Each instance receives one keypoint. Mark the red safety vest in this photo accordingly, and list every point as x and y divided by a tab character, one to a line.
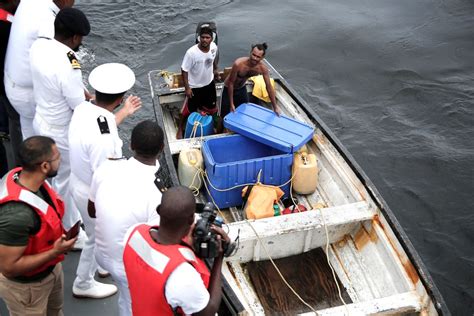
51	226
148	266
6	16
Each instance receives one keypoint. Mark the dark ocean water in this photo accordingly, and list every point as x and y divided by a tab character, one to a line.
393	79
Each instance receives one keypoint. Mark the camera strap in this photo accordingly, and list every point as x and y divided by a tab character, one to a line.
159	183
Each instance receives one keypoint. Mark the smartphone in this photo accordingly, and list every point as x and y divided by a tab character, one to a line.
74	231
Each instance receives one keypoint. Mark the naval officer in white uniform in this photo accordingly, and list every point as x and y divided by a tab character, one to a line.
122	194
33	19
94	138
58	89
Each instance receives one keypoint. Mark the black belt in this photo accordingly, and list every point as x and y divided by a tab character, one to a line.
35	277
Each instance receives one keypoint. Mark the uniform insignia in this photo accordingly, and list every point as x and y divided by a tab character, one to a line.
72	58
103	125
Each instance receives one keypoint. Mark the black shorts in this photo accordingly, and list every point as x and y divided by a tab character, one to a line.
240	96
203	97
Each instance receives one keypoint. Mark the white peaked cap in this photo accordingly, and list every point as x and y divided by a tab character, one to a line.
112	78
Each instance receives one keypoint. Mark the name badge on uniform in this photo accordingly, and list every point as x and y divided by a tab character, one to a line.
103	125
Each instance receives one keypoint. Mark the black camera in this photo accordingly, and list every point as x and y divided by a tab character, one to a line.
205	240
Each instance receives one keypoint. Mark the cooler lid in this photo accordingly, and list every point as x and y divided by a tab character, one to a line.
264	126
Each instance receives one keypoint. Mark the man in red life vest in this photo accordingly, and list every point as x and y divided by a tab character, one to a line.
163	273
32	239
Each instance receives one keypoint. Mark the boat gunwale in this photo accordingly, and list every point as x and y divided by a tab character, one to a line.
229	297
403	240
412	254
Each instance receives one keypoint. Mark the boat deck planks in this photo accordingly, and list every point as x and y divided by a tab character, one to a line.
317	287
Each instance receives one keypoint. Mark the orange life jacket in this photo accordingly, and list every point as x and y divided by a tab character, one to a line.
51	226
148	266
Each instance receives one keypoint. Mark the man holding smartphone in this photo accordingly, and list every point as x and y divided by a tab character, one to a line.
32	238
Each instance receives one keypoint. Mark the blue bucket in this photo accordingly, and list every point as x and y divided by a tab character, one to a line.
204	120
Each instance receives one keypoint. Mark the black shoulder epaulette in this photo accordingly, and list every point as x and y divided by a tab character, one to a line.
103	125
72	58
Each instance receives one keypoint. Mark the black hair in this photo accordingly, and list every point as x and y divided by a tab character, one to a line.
107	98
262	46
35	150
206	30
177	208
147	139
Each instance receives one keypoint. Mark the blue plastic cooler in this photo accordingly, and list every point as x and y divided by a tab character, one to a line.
266	143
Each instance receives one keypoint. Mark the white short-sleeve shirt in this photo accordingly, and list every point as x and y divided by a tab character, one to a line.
124	194
33	18
57	85
185	288
88	147
199	65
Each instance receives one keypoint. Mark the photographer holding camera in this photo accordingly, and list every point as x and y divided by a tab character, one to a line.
164	274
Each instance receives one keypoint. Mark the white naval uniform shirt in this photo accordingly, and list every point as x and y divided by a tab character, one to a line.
199	65
88	147
58	87
124	194
33	18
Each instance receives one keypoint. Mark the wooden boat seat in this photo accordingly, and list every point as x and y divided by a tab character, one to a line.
296	233
404	303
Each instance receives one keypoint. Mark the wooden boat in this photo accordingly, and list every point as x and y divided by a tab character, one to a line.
348	225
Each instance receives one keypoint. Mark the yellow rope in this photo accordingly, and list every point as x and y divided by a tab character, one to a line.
213	201
278	270
165	73
246	184
203	174
194	131
329	263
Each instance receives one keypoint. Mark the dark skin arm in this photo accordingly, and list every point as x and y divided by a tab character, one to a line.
91	209
230	85
215	283
271	92
13	263
187	89
217	77
214	289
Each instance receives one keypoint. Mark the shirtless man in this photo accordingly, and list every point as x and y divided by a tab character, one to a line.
235	92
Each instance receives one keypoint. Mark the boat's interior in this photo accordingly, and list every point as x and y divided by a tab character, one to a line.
343	226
